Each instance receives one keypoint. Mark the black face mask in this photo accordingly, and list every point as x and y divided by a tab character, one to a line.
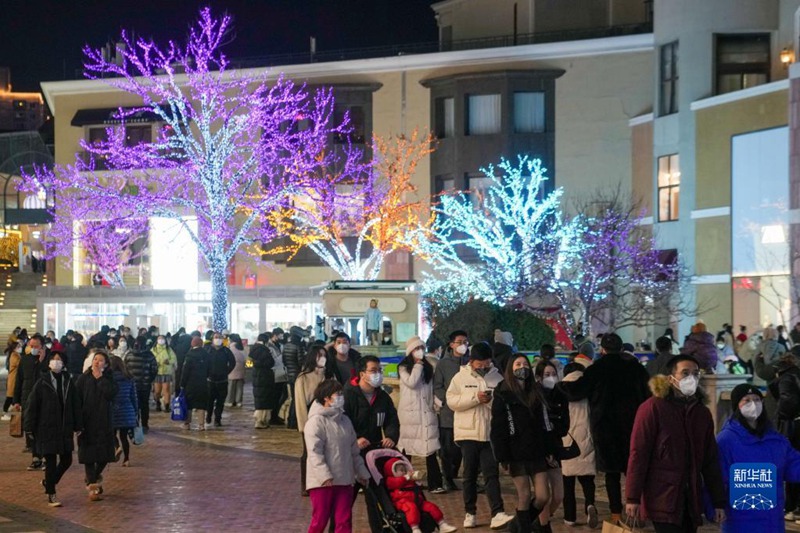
522	373
481	371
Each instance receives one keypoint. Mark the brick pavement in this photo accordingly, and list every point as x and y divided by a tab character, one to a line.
235	478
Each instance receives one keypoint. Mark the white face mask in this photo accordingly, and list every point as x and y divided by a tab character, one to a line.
687	385
321	362
549	382
376	380
752	410
49	345
162	342
337	402
19	349
56	365
461	349
419	353
343	348
34	351
123	345
217	342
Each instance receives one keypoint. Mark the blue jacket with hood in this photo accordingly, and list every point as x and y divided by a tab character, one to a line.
738	445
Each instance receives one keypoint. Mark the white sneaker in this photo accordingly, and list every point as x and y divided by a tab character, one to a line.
790	516
500	520
444	527
470	521
5	418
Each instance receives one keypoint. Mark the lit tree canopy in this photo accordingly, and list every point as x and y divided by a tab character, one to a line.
353	221
230	153
500	243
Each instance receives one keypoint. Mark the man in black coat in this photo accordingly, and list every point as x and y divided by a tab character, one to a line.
220	363
31	366
142	365
374	418
615	387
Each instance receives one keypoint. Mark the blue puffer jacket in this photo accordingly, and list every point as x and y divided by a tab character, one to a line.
125	403
737	445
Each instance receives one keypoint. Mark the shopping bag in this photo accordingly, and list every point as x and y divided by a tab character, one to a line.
619	527
138	435
15	427
179	408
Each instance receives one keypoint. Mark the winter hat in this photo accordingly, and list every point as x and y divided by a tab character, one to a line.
583	359
742	390
388	467
413	343
480	352
503	337
197	342
587	350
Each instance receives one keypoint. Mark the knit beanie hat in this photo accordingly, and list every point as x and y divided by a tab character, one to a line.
742	390
503	337
197	342
413	343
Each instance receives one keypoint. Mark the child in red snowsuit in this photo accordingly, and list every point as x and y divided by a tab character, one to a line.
407	497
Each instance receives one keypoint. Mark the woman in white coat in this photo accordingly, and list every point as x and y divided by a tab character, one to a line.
582	468
419	426
334	460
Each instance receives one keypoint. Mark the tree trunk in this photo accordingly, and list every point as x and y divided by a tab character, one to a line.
219	295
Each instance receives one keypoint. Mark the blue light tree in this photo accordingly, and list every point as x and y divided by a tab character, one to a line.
233	148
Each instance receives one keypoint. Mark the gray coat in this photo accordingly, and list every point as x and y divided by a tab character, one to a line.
442	376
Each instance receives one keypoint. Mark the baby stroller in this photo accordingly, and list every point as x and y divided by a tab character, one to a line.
393	520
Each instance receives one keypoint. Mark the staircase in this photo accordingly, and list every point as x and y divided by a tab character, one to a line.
18	300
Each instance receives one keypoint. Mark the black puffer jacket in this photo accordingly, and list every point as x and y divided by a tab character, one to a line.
516	433
375	420
194	378
75	353
263	376
220	363
96	441
52	422
28	373
292	357
558	416
143	367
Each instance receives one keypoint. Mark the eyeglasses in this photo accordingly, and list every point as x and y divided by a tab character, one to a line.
465	343
686	373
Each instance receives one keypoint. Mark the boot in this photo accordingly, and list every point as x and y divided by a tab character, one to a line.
522	522
533	519
261	417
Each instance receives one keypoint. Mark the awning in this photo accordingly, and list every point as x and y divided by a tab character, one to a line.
110	116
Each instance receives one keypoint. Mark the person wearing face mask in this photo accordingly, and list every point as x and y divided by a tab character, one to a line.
374	418
313	373
334	460
220	363
96	388
615	387
447	368
76	353
13	357
31	366
278	392
342	359
419	427
786	389
167	362
194	384
748	437
518	441
673	453
52	415
143	366
470	397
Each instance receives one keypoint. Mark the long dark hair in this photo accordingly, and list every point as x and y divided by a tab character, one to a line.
310	364
118	365
528	393
408	363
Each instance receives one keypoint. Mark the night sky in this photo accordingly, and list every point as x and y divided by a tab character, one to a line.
42	40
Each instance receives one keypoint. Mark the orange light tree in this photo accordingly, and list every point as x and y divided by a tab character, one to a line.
356	219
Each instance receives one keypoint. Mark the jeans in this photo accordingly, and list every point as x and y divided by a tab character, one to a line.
54	468
143	399
570	504
450	454
331	502
478	455
614	489
216	400
93	471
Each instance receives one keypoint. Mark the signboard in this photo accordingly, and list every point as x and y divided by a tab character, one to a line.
753	486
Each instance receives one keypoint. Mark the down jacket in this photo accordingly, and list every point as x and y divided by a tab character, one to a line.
53	423
419	427
673	450
516	430
738	445
332	448
125	402
96	441
584	465
702	347
471	418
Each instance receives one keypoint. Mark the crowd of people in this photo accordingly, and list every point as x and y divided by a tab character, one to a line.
550	423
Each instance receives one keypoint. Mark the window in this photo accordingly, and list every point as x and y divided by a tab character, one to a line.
483	114
357	124
445	118
529	112
669	79
137	135
477	185
444	184
97	135
742	61
669	181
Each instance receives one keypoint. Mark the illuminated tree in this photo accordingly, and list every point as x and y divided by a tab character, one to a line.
231	151
353	221
499	244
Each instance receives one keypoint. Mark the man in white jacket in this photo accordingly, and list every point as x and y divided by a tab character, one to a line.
470	397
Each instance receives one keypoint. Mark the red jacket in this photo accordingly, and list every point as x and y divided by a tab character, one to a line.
399	487
673	450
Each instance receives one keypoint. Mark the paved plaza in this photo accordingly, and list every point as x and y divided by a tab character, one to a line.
233	479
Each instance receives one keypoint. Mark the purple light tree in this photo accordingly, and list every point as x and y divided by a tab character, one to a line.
231	151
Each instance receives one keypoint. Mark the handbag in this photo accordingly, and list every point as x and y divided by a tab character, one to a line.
138	435
622	526
569	452
15	427
178	408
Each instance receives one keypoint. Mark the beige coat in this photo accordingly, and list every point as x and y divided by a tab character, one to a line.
332	448
584	465
471	420
13	365
419	425
304	387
